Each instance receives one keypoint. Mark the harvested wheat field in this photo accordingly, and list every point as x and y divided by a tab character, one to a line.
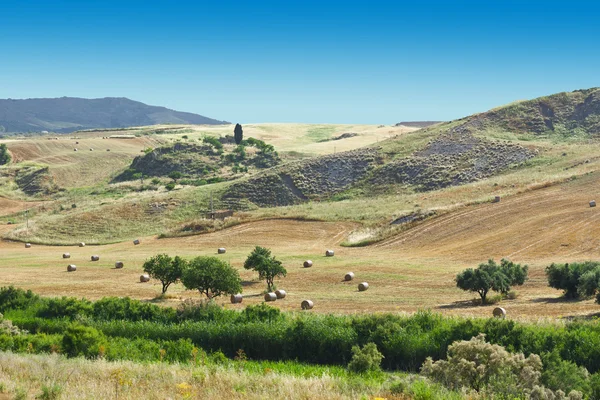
413	270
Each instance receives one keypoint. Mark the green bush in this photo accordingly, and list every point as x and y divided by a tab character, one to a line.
366	359
124	308
568	277
67	307
81	340
170	186
4	154
12	298
260	312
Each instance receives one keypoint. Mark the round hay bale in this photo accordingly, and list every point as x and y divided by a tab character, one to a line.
74	149
95	258
107	149
593	203
363	286
308	264
144	278
270	296
496	199
236	298
329	253
136	241
71	268
306	305
81	244
27	245
280	294
66	255
221	250
76	142
119	264
91	149
499	312
349	276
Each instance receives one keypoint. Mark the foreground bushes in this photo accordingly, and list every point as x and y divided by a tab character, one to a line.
263	332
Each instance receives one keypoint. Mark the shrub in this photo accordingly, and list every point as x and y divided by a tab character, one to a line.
260	312
4	154
197	310
170	186
50	392
567	276
126	309
366	359
81	340
12	298
68	307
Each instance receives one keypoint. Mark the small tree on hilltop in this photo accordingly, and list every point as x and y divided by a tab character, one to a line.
166	269
211	276
267	266
491	276
238	134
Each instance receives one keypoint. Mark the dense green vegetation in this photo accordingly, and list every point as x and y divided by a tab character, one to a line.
578	280
4	155
491	276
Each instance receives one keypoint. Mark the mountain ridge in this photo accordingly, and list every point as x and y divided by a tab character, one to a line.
68	114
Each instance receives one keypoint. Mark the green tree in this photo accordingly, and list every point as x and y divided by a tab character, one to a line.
267	266
80	340
491	276
175	175
238	134
166	269
575	279
4	155
366	359
211	276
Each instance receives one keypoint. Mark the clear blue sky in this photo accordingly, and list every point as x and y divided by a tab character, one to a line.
301	61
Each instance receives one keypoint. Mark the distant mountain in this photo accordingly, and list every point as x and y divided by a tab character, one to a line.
417	124
68	114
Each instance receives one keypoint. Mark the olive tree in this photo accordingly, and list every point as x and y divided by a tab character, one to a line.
491	276
211	276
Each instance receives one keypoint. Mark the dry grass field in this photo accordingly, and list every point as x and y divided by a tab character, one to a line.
543	217
410	271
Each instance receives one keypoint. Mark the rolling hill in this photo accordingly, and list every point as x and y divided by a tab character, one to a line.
68	114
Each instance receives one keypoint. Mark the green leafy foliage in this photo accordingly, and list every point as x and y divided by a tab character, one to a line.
211	276
491	276
4	154
82	340
166	269
175	175
267	266
577	280
365	359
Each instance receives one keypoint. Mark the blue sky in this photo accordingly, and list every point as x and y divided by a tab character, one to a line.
301	61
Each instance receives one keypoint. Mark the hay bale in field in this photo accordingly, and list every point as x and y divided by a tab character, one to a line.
81	244
221	250
95	258
91	149
136	241
144	278
306	305
74	149
499	312
27	245
280	294
71	268
236	298
349	276
593	203
76	142
363	286
107	149
66	255
329	253
308	264
270	296
496	199
119	264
